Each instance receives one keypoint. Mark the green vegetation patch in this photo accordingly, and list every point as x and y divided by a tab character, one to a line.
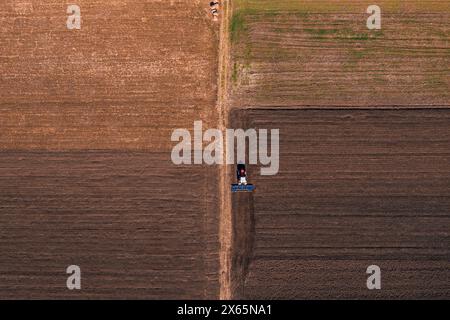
238	26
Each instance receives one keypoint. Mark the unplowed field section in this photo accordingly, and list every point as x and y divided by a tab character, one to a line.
292	53
137	226
135	71
355	188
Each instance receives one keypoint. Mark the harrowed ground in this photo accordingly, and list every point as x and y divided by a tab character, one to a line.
364	149
85	171
86	176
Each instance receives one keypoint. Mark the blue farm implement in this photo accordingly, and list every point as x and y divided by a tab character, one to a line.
242	188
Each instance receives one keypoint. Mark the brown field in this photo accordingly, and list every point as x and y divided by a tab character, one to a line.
85	170
134	72
86	176
138	226
289	53
355	188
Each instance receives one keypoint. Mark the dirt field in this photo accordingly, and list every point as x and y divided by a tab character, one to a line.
289	53
85	170
355	188
135	71
137	226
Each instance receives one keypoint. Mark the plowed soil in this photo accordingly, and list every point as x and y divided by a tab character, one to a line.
85	171
355	188
86	176
136	225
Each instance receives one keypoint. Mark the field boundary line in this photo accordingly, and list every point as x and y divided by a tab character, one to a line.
225	217
348	108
